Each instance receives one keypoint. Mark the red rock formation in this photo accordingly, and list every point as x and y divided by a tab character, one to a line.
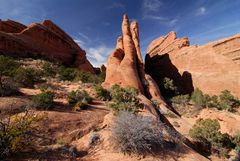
213	67
125	66
41	40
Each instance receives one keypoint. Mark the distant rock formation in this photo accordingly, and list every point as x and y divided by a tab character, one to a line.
125	65
45	40
213	67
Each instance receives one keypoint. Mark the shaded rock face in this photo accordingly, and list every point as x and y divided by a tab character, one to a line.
213	67
44	40
125	66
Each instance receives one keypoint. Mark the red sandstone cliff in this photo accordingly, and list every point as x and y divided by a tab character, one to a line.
45	40
213	67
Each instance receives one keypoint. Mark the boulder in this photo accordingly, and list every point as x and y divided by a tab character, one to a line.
41	40
212	68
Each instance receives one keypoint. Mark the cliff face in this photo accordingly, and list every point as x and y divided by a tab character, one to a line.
45	40
213	67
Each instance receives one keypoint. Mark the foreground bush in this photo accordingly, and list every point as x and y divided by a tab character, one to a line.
68	74
102	93
168	87
198	98
28	76
43	100
137	134
80	99
15	132
206	132
125	99
228	101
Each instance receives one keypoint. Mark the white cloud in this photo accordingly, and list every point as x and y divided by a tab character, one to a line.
201	11
116	5
98	55
151	5
153	17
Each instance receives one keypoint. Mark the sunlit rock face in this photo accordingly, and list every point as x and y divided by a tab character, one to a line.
213	67
125	66
43	40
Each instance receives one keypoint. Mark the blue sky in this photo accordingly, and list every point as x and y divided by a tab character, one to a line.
95	24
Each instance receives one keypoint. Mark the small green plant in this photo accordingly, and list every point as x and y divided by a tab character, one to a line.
102	93
28	76
15	132
125	99
43	100
80	99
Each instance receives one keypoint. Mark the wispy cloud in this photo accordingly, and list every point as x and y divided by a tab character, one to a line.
116	5
201	11
151	5
23	11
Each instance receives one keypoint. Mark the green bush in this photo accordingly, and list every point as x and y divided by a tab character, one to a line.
198	98
15	132
168	87
228	101
206	132
101	77
86	77
141	135
80	99
125	99
102	93
67	74
28	76
43	100
49	69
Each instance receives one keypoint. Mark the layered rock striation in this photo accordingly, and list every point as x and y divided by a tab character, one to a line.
213	67
43	40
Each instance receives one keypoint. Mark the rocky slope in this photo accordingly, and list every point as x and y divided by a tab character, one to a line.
45	40
213	67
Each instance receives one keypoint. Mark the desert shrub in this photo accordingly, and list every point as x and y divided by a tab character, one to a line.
198	98
43	100
101	77
125	99
86	77
67	74
138	134
80	99
9	87
181	99
228	101
168	87
236	140
15	132
212	101
206	132
49	69
28	76
7	67
102	93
